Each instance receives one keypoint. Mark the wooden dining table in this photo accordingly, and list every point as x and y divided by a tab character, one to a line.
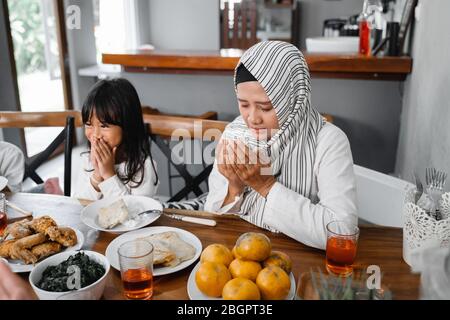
379	246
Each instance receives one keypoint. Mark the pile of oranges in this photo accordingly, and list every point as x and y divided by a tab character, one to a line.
250	271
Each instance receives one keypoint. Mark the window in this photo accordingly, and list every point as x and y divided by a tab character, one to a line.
116	25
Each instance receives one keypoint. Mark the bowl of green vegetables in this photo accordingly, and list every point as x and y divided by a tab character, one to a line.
81	274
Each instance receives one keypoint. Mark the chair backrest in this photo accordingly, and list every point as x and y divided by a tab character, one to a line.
380	197
162	127
239	25
66	137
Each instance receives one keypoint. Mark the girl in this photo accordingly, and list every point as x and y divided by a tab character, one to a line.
119	161
12	167
303	176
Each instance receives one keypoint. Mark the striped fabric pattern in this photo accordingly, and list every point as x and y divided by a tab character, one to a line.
282	71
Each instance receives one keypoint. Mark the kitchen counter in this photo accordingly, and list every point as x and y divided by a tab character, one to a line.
346	66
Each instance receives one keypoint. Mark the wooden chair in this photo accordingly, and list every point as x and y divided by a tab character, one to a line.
163	144
66	138
240	30
186	128
162	127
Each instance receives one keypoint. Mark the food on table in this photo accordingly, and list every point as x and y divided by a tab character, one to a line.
256	271
169	249
245	269
113	215
274	283
30	241
217	253
162	255
5	248
253	246
54	278
235	254
18	230
41	225
279	259
21	249
46	249
241	289
65	236
211	277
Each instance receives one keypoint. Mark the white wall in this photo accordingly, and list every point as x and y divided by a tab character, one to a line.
425	134
185	25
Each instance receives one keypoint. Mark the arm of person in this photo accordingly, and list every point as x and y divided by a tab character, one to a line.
218	193
304	221
12	166
12	287
114	187
84	187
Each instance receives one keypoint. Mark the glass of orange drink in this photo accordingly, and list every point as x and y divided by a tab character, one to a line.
136	268
342	241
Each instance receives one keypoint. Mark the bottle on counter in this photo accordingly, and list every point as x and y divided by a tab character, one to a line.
366	21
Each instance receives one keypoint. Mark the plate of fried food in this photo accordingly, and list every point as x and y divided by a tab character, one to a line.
173	249
121	215
26	242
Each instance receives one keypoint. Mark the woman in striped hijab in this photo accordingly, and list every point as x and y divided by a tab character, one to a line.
280	165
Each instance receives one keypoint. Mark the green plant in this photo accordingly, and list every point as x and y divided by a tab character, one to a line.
27	31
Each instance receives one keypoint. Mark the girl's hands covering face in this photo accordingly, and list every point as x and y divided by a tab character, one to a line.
103	158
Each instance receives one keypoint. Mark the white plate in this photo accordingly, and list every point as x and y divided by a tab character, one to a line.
135	205
113	256
195	294
3	183
19	267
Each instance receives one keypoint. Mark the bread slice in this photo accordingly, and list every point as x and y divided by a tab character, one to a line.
113	215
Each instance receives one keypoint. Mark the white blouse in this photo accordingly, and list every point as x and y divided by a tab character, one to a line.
12	165
113	187
333	194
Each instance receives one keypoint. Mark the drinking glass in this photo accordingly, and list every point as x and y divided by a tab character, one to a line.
136	268
3	216
342	240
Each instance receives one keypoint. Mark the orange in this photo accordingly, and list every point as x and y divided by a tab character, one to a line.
279	259
235	254
253	246
244	269
241	289
217	253
211	278
273	283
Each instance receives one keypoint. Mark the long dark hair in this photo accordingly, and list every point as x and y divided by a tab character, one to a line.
116	102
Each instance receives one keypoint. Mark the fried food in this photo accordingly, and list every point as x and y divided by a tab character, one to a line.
40	225
46	249
18	230
21	249
65	236
30	241
5	248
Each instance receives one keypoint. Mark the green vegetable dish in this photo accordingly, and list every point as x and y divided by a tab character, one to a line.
55	278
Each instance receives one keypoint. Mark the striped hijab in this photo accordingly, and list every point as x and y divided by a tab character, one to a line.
282	71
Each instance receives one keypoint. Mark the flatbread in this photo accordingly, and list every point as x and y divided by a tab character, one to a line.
162	254
182	250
